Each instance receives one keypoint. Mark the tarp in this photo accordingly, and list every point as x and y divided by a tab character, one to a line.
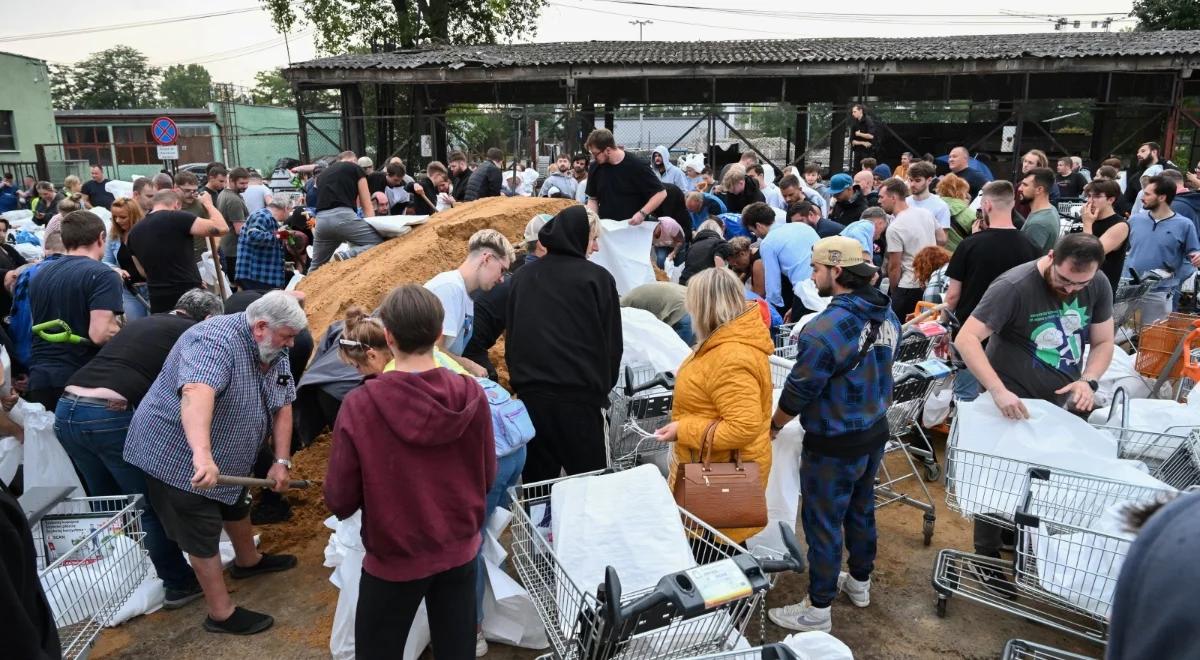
625	252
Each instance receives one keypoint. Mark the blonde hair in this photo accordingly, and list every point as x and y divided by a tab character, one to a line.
735	173
365	331
72	183
70	204
714	297
133	209
492	241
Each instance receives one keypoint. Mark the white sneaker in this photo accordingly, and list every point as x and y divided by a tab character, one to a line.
481	647
802	617
859	593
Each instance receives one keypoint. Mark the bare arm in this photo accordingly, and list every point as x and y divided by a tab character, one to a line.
364	199
593	205
953	293
281	438
940	236
654	202
758	279
970	346
893	270
1100	355
196	404
213	225
102	325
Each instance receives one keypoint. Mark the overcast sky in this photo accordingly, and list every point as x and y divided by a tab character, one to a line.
234	47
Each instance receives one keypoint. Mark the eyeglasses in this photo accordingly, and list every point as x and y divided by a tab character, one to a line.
189	191
1069	284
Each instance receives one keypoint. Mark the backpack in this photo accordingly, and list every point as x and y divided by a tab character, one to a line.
510	420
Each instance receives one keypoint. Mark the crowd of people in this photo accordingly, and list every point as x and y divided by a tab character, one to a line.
160	385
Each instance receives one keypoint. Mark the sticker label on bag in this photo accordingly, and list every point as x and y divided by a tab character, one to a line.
720	582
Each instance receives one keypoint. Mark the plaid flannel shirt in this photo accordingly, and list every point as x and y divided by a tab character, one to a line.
260	253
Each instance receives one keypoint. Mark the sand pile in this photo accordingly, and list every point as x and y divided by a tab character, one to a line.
439	245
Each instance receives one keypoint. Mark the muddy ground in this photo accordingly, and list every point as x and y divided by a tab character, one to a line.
900	623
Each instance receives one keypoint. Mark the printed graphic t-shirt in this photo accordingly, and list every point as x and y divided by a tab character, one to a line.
1038	339
459	319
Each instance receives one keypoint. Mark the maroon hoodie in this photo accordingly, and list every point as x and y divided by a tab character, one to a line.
415	452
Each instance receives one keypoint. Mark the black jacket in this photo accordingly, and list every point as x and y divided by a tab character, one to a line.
490	309
27	626
749	195
702	252
850	210
564	319
458	185
673	207
485	181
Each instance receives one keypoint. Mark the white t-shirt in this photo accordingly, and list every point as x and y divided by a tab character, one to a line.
255	198
910	232
459	321
936	206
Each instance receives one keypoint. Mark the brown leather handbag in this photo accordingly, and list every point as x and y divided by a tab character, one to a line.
724	495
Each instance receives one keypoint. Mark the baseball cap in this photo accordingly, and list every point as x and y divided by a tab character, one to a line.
840	182
535	225
842	251
366	162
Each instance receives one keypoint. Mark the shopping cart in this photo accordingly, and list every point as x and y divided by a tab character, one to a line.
1165	348
639	404
785	343
1019	649
1054	523
90	575
770	652
1127	304
700	610
1172	456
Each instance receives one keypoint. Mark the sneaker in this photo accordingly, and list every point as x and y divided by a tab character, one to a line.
241	622
993	579
177	598
859	593
802	617
481	647
268	512
268	564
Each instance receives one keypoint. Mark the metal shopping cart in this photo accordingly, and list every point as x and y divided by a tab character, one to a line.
91	557
1172	456
1020	649
700	610
1127	305
639	404
769	652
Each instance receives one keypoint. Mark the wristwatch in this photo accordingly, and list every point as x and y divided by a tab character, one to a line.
285	462
776	428
1092	384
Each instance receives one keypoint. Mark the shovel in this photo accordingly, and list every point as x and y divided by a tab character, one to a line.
251	482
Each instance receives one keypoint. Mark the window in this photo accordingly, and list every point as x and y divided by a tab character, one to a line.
8	135
135	146
88	143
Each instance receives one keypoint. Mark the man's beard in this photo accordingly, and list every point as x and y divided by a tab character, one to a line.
563	169
1047	276
1146	162
1150	206
266	352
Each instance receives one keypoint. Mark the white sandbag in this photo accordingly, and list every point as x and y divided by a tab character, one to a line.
783	486
817	645
119	188
344	554
391	226
625	252
105	216
1121	374
1082	567
121	556
29	251
147	598
208	273
46	462
627	520
650	341
937	405
1176	420
1051	437
11	456
20	219
294	282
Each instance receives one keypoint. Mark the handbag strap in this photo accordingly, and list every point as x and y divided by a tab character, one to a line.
706	444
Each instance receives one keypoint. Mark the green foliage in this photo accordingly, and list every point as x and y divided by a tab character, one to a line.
118	78
270	88
1167	14
343	24
186	86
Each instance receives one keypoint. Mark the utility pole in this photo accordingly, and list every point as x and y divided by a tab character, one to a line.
641	24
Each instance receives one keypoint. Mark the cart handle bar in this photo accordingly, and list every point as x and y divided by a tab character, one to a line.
665	379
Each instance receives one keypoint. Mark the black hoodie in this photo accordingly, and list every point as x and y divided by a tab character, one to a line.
564	319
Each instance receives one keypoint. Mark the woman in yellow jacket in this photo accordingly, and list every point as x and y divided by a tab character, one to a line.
726	379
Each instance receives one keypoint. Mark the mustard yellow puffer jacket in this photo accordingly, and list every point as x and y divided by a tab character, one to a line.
727	379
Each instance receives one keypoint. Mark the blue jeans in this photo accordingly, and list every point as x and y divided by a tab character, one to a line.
683	328
966	386
94	438
508	471
134	308
660	254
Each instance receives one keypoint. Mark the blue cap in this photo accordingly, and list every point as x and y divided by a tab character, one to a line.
882	171
840	182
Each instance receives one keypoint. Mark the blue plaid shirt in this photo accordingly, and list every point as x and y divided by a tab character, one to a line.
259	251
222	354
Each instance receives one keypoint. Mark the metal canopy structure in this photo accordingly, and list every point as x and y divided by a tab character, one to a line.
1110	70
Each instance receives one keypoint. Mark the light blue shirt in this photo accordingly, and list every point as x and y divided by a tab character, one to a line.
1165	244
862	231
787	249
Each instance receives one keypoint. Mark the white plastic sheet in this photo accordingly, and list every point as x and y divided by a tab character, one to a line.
119	188
625	252
1051	437
391	226
75	592
1121	374
208	273
783	485
817	645
627	520
1082	567
1176	420
650	341
46	462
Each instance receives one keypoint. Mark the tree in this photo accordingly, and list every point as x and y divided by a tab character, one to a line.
118	78
407	23
270	88
185	86
1167	14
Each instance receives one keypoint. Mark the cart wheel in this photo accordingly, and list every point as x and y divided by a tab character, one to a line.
933	471
927	530
941	607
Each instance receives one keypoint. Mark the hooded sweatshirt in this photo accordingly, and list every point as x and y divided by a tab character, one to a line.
670	173
564	319
563	182
415	452
843	407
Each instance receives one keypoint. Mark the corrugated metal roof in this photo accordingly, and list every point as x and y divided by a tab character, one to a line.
777	51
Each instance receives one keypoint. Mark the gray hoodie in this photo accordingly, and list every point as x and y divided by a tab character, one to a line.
670	174
564	182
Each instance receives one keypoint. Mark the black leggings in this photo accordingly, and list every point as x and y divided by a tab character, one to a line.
386	611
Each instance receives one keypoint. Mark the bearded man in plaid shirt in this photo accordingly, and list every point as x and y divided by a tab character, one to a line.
260	249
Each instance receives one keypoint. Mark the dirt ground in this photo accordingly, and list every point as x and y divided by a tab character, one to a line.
900	623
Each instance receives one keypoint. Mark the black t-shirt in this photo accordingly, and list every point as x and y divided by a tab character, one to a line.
1114	262
622	190
975	180
162	243
982	257
97	195
125	261
1071	185
68	288
418	205
131	360
337	187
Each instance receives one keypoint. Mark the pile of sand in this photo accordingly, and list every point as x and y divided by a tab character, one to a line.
439	245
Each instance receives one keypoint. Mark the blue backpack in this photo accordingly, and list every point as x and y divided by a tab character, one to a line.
510	420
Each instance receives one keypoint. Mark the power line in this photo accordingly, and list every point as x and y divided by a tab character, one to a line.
124	26
677	22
